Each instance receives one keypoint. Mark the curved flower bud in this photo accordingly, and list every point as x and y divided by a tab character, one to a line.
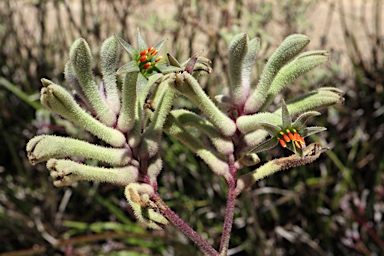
187	118
146	211
81	60
155	165
310	154
251	123
242	55
237	50
68	172
299	66
128	113
109	57
189	87
217	165
247	160
151	137
44	147
288	49
71	78
57	99
318	99
288	135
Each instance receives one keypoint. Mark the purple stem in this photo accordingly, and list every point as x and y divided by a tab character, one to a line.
184	227
228	219
230	208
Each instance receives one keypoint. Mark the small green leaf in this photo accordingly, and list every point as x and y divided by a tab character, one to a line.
140	41
303	118
268	144
286	118
311	130
128	67
172	61
127	47
159	45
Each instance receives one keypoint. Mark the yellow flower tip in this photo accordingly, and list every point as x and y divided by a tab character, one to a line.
286	138
147	65
155	51
158	58
290	135
282	143
150	49
143	53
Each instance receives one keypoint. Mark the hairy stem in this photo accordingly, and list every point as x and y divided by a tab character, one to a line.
184	227
229	211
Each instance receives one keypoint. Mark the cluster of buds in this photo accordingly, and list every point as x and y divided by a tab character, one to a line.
147	59
287	136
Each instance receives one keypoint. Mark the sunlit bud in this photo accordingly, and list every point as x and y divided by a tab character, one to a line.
285	137
147	65
143	53
144	58
150	49
154	52
158	58
290	135
282	142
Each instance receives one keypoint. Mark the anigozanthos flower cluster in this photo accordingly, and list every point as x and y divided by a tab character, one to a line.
147	59
131	113
286	136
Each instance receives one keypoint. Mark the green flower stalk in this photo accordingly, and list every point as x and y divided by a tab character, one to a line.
131	118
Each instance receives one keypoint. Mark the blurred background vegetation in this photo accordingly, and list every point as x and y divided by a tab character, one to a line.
333	207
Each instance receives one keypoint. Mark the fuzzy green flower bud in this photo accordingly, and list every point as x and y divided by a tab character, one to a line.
187	85
187	118
242	54
109	57
128	113
68	172
310	154
299	66
81	60
315	100
57	99
144	209
177	130
288	49
44	147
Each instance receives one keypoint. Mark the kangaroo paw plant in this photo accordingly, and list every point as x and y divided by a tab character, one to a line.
131	116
